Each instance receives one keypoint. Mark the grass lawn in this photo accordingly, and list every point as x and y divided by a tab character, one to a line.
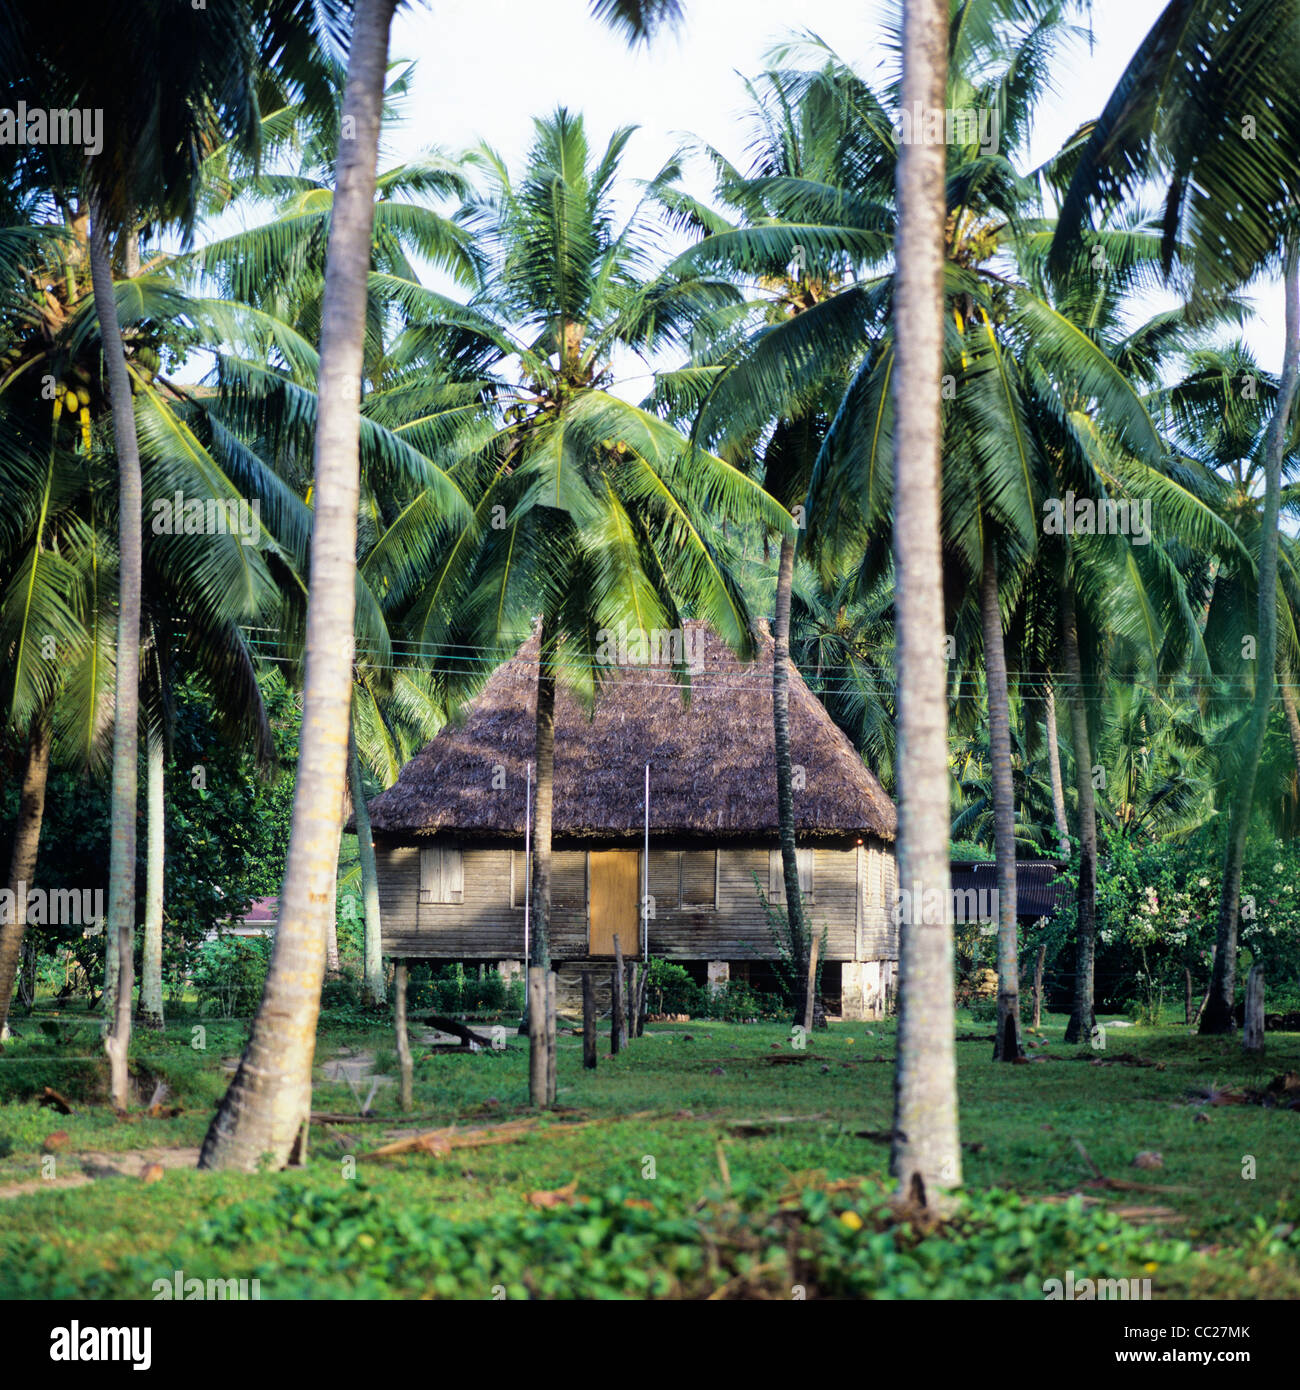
667	1197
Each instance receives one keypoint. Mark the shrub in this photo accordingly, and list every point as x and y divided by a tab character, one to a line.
450	989
631	1243
738	1002
341	995
670	989
230	974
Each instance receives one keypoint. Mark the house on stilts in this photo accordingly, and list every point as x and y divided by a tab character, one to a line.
450	833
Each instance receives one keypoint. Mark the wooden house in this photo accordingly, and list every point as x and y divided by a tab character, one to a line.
450	833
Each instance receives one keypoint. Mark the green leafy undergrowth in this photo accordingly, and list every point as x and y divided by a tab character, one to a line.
838	1240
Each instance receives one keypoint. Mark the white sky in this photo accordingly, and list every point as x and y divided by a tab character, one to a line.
484	68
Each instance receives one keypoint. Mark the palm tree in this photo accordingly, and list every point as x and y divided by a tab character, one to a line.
60	554
592	515
267	1107
210	60
22	861
1176	115
926	1154
1218	1015
808	147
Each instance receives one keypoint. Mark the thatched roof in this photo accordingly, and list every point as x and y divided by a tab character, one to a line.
712	763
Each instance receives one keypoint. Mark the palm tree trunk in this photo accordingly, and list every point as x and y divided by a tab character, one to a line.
1217	1017
333	964
126	733
1292	715
151	1000
1006	1047
800	943
540	1039
109	997
926	1155
268	1106
543	799
22	859
1058	784
374	991
1082	1017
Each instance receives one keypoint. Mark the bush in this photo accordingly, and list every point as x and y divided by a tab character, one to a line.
450	989
230	974
630	1243
737	1002
341	995
670	989
1157	916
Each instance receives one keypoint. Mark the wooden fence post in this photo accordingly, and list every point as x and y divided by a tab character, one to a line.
616	1017
1039	962
640	1002
403	1039
1196	1018
538	1051
634	975
552	1033
1253	1038
588	1021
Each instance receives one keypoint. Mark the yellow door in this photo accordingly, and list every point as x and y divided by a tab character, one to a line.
614	902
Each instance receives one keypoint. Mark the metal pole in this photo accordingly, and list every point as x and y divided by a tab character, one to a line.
528	856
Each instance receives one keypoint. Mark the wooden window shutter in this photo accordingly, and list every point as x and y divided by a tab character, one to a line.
442	874
453	875
804	861
776	874
665	879
700	878
430	873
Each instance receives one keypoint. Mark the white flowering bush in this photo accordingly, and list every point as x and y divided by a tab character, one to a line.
1158	914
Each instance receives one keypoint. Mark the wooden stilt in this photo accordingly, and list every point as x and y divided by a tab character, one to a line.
616	1019
588	1021
403	1038
538	1051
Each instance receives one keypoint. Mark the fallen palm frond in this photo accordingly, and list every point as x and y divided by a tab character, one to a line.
1282	1093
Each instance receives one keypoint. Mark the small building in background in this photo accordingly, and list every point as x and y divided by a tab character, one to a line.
449	834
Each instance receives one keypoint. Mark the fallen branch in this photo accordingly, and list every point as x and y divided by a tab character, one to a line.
329	1117
1121	1059
455	1028
442	1141
765	1124
50	1097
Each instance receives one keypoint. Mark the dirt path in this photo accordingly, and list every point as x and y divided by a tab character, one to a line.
96	1163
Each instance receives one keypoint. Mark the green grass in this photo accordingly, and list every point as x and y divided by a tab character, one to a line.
748	1215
